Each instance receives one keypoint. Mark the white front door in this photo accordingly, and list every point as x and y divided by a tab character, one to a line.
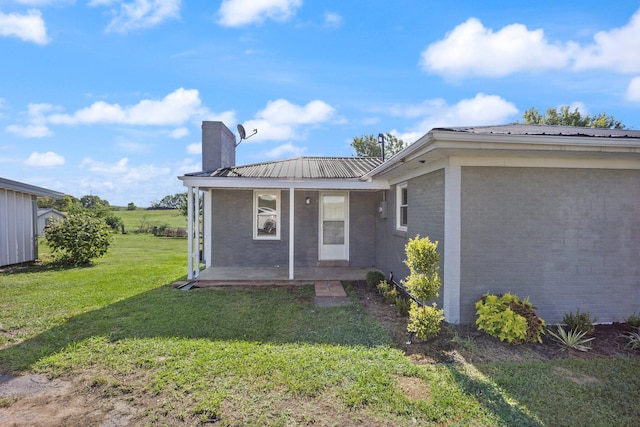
334	226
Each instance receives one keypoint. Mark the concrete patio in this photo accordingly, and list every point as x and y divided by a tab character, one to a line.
280	274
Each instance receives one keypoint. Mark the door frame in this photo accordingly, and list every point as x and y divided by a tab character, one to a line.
346	224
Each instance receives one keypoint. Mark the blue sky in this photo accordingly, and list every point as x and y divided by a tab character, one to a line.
106	97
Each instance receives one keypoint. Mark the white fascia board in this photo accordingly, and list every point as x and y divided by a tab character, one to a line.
29	189
250	183
544	162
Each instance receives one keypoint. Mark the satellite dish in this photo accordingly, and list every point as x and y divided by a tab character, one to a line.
243	134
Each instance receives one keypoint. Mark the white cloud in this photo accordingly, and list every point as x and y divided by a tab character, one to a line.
174	109
195	148
616	50
472	49
282	120
29	27
47	159
285	150
123	171
44	2
633	90
139	14
236	13
29	131
332	20
178	133
480	110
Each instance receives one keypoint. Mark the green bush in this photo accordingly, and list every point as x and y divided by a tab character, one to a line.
79	238
424	321
402	305
633	323
581	322
374	277
423	284
508	318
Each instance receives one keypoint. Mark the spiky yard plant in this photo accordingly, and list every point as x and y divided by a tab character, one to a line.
574	338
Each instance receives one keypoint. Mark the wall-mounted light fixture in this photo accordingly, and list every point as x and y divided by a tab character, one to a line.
307	200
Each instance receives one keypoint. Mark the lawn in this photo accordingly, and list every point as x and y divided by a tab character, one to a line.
122	335
144	218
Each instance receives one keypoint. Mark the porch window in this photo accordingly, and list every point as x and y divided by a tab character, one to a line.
266	214
402	205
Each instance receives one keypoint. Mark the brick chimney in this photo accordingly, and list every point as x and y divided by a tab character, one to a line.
218	146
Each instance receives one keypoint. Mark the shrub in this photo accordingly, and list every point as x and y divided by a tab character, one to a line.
508	318
374	277
423	284
582	322
78	239
633	340
574	338
402	305
633	323
424	321
383	287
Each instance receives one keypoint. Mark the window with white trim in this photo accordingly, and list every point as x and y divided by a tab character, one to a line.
266	214
402	207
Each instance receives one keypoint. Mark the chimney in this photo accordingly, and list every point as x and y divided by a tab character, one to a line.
218	146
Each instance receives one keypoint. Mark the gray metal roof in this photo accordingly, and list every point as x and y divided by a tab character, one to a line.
29	189
301	168
526	129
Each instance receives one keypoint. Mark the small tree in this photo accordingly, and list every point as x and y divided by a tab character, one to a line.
79	238
423	283
368	146
563	116
131	206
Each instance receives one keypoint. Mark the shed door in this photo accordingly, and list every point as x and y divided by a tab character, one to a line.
334	226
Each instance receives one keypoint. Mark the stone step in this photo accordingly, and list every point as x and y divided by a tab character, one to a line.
330	293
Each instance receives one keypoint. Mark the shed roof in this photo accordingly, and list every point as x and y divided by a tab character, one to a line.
29	189
300	168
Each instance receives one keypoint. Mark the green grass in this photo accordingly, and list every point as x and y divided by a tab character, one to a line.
269	356
134	219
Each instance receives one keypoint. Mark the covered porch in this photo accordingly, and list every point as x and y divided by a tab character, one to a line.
281	274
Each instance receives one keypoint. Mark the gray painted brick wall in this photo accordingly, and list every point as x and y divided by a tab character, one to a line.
565	238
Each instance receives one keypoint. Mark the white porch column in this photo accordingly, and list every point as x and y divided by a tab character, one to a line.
197	227
190	231
452	218
291	232
207	227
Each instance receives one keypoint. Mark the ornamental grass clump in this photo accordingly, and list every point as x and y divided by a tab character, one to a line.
423	284
573	338
508	318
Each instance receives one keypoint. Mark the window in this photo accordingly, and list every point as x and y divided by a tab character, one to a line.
402	207
266	214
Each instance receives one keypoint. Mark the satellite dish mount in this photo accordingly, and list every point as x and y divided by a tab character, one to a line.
243	134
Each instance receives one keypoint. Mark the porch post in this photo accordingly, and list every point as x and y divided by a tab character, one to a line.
452	246
291	236
196	216
190	231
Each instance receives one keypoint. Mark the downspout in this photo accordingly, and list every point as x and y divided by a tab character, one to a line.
197	230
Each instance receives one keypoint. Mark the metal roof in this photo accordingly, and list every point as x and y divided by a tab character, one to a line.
29	189
527	129
300	168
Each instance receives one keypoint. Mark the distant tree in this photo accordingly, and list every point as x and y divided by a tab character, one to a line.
79	238
368	146
172	201
563	116
66	204
131	206
93	202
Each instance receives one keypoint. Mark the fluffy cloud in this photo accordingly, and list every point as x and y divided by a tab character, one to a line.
173	110
633	91
479	110
123	171
282	120
195	148
471	49
332	20
285	150
29	131
29	27
45	159
139	14
178	133
236	13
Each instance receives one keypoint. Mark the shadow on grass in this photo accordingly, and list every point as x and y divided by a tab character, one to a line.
274	314
489	396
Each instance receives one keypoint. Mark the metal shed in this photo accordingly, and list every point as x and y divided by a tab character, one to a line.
18	220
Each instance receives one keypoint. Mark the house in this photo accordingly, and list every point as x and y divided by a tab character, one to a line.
46	215
545	212
18	220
